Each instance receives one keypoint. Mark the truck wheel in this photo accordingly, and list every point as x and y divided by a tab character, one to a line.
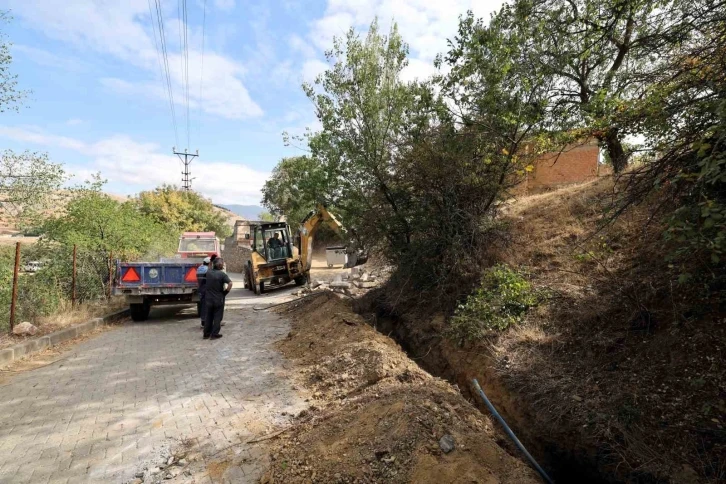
262	288
139	312
300	280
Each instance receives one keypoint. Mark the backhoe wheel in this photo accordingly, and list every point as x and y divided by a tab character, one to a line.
300	280
262	288
139	312
248	279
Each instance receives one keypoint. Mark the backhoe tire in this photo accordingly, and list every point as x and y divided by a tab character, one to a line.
139	312
262	287
300	280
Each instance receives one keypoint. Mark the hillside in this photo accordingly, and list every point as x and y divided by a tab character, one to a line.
247	212
8	224
618	375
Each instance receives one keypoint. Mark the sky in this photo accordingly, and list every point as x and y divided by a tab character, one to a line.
100	102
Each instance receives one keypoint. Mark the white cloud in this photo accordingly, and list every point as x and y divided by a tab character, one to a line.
224	5
123	29
297	44
137	166
423	24
311	68
47	59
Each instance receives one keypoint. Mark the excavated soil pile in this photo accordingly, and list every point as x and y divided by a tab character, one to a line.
376	416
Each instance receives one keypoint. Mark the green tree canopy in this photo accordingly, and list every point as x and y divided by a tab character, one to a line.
96	222
183	211
295	186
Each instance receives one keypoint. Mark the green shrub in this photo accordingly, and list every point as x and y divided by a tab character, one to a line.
502	299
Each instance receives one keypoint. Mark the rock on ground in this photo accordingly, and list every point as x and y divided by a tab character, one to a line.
25	329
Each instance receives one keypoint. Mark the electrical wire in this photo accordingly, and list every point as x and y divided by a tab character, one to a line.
186	65
161	73
201	75
165	54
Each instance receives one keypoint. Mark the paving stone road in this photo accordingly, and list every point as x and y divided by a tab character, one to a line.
118	401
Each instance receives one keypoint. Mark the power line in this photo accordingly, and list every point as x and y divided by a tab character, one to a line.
186	62
181	47
162	37
201	75
161	73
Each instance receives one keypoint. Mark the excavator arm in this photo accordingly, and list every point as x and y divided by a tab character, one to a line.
310	225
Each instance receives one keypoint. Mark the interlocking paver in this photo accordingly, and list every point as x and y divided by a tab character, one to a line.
116	400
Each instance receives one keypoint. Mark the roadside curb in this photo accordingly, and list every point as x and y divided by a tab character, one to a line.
8	355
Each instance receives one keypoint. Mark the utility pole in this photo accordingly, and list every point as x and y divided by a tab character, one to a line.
187	160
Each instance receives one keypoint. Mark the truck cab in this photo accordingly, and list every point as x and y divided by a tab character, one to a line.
198	245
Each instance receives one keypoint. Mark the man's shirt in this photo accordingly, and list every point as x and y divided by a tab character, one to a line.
216	279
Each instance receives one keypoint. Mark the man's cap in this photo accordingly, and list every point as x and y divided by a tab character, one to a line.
207	260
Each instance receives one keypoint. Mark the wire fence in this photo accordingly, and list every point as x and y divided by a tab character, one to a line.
37	283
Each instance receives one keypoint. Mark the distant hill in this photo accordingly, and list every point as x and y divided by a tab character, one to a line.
248	212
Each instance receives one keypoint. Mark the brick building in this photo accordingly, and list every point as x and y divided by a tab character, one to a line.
575	164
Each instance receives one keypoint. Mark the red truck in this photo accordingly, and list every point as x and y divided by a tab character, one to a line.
194	245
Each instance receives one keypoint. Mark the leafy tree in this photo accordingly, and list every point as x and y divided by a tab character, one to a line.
92	220
296	185
682	115
361	103
183	210
99	226
27	183
266	217
596	54
10	97
27	180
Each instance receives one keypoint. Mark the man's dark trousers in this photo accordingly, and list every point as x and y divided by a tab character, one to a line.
212	323
202	307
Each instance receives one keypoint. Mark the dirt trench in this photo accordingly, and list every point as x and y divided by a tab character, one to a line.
563	456
374	415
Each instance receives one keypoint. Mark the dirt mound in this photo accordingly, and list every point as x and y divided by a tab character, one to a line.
378	417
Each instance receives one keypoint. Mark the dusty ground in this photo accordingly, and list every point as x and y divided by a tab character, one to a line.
374	415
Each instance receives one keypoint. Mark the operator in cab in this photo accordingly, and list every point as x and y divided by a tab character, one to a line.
275	242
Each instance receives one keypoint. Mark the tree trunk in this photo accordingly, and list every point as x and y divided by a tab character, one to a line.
615	149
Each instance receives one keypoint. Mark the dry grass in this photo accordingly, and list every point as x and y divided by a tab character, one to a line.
613	352
65	316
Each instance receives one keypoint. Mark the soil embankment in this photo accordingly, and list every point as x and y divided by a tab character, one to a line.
619	375
375	416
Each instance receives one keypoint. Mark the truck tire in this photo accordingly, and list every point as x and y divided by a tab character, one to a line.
262	288
139	312
300	280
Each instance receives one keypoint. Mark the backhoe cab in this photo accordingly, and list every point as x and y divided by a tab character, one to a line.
273	261
277	259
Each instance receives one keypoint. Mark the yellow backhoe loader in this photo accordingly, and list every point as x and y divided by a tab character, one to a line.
277	259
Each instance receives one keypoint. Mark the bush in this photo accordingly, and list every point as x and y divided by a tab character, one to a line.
37	295
502	299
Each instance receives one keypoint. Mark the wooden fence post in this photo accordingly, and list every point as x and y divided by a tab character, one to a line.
110	272
73	283
14	296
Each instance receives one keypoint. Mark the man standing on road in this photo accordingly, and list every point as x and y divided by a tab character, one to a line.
214	300
202	285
